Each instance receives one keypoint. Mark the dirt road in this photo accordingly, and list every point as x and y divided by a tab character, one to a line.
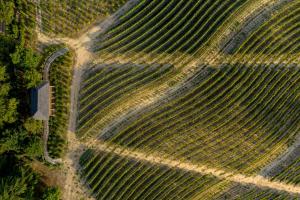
257	180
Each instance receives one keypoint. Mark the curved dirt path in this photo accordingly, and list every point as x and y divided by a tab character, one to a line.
47	66
50	60
45	140
153	158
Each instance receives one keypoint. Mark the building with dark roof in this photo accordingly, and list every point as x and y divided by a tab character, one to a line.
40	101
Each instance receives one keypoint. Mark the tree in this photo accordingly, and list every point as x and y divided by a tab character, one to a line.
30	60
19	70
9	141
32	78
16	56
8	106
34	147
17	181
33	126
12	188
8	111
6	11
52	193
27	62
21	143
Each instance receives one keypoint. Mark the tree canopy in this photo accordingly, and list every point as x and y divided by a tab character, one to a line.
17	181
8	106
6	11
52	193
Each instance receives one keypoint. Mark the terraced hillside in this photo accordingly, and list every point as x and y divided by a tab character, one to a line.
187	96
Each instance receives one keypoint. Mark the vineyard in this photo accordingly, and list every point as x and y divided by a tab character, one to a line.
195	99
289	174
108	85
230	102
165	30
158	181
282	27
67	18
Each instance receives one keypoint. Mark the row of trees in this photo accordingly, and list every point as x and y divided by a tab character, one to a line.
20	135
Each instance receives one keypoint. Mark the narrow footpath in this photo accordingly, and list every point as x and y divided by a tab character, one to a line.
256	180
47	66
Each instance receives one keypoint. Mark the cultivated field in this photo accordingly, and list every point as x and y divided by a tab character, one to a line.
195	99
68	18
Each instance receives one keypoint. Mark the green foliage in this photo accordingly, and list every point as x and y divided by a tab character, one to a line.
52	193
33	126
27	61
32	78
8	106
21	143
34	147
20	139
15	31
60	78
17	181
8	112
9	141
6	11
16	56
12	188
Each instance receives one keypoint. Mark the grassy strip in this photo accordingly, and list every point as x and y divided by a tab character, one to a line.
60	78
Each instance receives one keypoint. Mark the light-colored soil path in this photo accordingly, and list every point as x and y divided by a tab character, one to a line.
257	180
74	187
49	175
